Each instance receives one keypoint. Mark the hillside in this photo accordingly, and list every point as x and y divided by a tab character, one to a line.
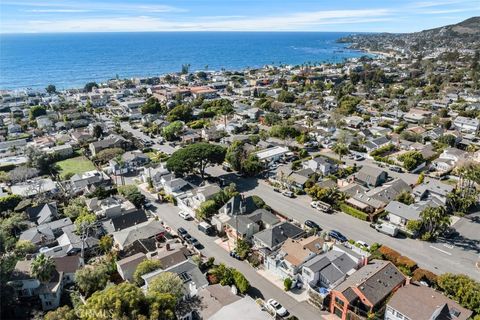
463	35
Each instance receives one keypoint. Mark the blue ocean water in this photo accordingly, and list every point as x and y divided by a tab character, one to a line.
71	60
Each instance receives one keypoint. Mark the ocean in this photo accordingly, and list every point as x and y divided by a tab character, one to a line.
71	60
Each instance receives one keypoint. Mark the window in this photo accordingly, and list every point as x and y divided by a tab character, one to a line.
339	301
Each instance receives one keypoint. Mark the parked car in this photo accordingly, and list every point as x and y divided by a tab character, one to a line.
182	233
194	242
358	157
288	194
362	244
184	215
276	190
279	309
206	228
313	225
337	236
396	169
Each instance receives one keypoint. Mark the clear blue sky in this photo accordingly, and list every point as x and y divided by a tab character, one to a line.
18	16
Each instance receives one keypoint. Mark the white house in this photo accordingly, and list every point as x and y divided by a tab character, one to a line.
467	125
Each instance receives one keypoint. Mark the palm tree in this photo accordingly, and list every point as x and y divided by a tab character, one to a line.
435	220
340	149
42	267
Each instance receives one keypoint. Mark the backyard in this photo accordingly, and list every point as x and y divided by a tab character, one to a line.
75	165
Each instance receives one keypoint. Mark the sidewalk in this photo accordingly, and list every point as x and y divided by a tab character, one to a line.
299	295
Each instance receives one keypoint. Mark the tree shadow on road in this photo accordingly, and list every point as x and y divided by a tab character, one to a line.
244	184
462	242
255	293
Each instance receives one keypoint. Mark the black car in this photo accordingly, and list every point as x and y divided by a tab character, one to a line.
337	236
313	225
182	233
193	241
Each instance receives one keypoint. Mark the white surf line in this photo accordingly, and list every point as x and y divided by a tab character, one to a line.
441	250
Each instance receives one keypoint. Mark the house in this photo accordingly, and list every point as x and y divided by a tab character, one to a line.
176	186
83	181
113	141
70	242
192	200
109	207
125	220
212	134
245	226
188	271
449	159
191	137
34	187
49	293
432	189
274	237
466	125
423	303
417	116
376	143
353	121
377	198
399	213
365	290
42	213
236	206
44	122
61	151
321	165
371	177
329	269
126	267
294	180
155	175
129	161
288	260
217	302
203	92
271	155
149	229
45	233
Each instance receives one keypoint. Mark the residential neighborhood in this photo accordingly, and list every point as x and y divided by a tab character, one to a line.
316	191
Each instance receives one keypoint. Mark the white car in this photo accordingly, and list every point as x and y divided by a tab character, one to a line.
363	244
279	309
184	215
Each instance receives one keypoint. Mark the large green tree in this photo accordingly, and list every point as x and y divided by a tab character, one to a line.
411	159
90	279
461	288
181	112
171	131
196	157
145	267
37	111
167	283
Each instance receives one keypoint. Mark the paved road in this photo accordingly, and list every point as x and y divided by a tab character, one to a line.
261	287
457	256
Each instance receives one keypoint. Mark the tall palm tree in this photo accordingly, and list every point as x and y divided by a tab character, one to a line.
340	149
42	267
435	220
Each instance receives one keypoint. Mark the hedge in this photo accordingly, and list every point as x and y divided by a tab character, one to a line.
425	275
389	254
353	212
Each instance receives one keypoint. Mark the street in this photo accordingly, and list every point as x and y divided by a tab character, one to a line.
457	256
260	287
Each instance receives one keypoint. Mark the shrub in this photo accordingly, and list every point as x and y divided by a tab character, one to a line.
287	284
389	254
425	275
353	212
406	262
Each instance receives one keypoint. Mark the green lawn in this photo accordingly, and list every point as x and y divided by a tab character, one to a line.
78	164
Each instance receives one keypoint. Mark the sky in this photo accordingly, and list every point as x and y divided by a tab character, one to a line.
41	16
